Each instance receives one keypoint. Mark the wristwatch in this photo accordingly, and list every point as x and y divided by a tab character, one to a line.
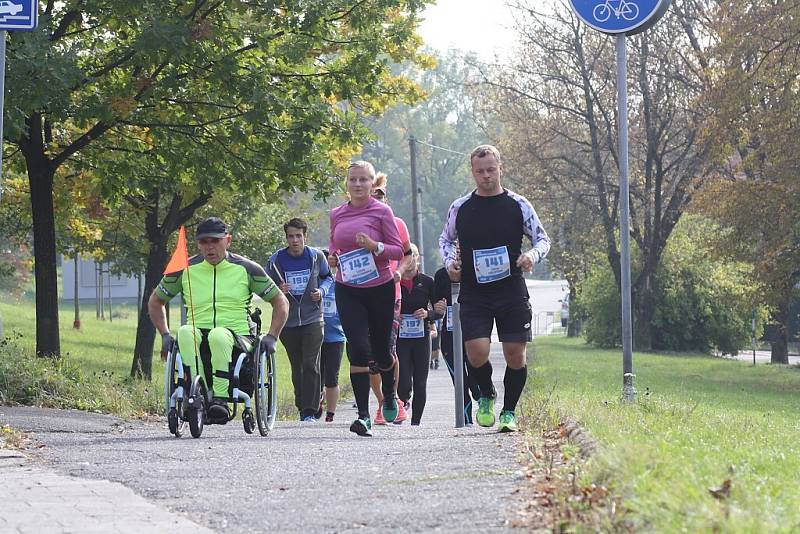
379	250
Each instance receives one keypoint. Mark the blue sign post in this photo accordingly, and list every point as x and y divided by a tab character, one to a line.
15	15
621	18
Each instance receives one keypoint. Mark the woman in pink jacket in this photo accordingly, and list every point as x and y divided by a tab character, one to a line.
364	239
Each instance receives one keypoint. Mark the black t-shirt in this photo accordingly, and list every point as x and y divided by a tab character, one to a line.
420	296
490	231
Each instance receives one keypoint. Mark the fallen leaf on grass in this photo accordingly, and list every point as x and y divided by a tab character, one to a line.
723	492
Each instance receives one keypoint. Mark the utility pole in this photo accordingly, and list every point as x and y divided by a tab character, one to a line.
416	201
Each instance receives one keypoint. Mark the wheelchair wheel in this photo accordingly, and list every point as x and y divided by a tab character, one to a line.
265	391
196	411
248	420
175	416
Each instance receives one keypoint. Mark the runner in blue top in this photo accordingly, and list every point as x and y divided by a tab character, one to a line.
332	348
488	226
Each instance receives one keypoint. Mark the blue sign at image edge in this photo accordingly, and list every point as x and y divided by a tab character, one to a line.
19	15
620	16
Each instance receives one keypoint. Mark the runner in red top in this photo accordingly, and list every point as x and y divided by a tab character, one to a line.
398	268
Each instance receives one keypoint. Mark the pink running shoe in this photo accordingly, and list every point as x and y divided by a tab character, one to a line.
401	412
379	420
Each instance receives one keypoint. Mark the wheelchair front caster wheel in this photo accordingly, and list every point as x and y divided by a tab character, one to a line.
248	420
175	426
196	417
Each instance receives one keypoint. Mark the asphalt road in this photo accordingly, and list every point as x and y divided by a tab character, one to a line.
303	476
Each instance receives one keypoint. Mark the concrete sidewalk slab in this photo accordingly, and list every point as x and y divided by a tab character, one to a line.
37	500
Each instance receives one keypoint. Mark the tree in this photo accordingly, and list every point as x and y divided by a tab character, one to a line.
753	133
704	301
165	104
557	105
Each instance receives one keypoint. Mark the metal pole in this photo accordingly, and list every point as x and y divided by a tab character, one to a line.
628	389
2	101
99	290
110	311
416	201
458	356
754	337
76	322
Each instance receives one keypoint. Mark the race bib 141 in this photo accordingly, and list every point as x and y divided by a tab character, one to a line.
491	264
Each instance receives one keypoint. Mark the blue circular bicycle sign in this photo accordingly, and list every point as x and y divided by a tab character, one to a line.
620	16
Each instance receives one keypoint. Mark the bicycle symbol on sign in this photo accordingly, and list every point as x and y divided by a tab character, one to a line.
624	10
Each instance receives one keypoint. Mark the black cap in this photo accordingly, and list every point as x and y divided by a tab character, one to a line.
211	227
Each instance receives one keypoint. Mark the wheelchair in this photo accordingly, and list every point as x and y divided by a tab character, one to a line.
253	381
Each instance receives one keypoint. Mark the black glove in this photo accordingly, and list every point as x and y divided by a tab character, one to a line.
268	343
166	342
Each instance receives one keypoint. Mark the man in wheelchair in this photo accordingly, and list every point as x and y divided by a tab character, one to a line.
217	288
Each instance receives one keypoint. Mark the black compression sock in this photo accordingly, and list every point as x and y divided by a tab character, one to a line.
483	376
387	382
361	388
514	383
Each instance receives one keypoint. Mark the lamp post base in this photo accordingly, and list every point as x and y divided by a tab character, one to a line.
628	390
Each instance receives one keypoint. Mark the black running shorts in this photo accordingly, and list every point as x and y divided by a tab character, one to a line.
511	311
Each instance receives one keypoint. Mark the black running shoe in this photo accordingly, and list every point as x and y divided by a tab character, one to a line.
218	410
362	426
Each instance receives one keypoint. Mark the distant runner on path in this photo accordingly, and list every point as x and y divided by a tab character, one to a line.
488	227
332	349
413	343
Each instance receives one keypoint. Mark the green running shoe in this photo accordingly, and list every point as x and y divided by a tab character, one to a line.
485	415
362	427
389	408
508	422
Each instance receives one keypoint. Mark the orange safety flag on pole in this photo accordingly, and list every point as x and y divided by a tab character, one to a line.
180	258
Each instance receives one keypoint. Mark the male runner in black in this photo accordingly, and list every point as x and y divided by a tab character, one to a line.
481	245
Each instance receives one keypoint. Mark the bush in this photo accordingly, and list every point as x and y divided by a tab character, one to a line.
15	270
702	302
57	383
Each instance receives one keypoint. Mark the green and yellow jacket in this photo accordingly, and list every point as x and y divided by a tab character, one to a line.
218	295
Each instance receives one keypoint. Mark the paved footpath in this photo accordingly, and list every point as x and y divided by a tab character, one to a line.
99	473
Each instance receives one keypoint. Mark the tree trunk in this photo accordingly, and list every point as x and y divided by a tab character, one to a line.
40	178
644	305
572	321
780	341
157	236
142	366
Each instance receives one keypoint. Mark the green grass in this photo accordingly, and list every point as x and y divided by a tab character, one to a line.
101	352
697	421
